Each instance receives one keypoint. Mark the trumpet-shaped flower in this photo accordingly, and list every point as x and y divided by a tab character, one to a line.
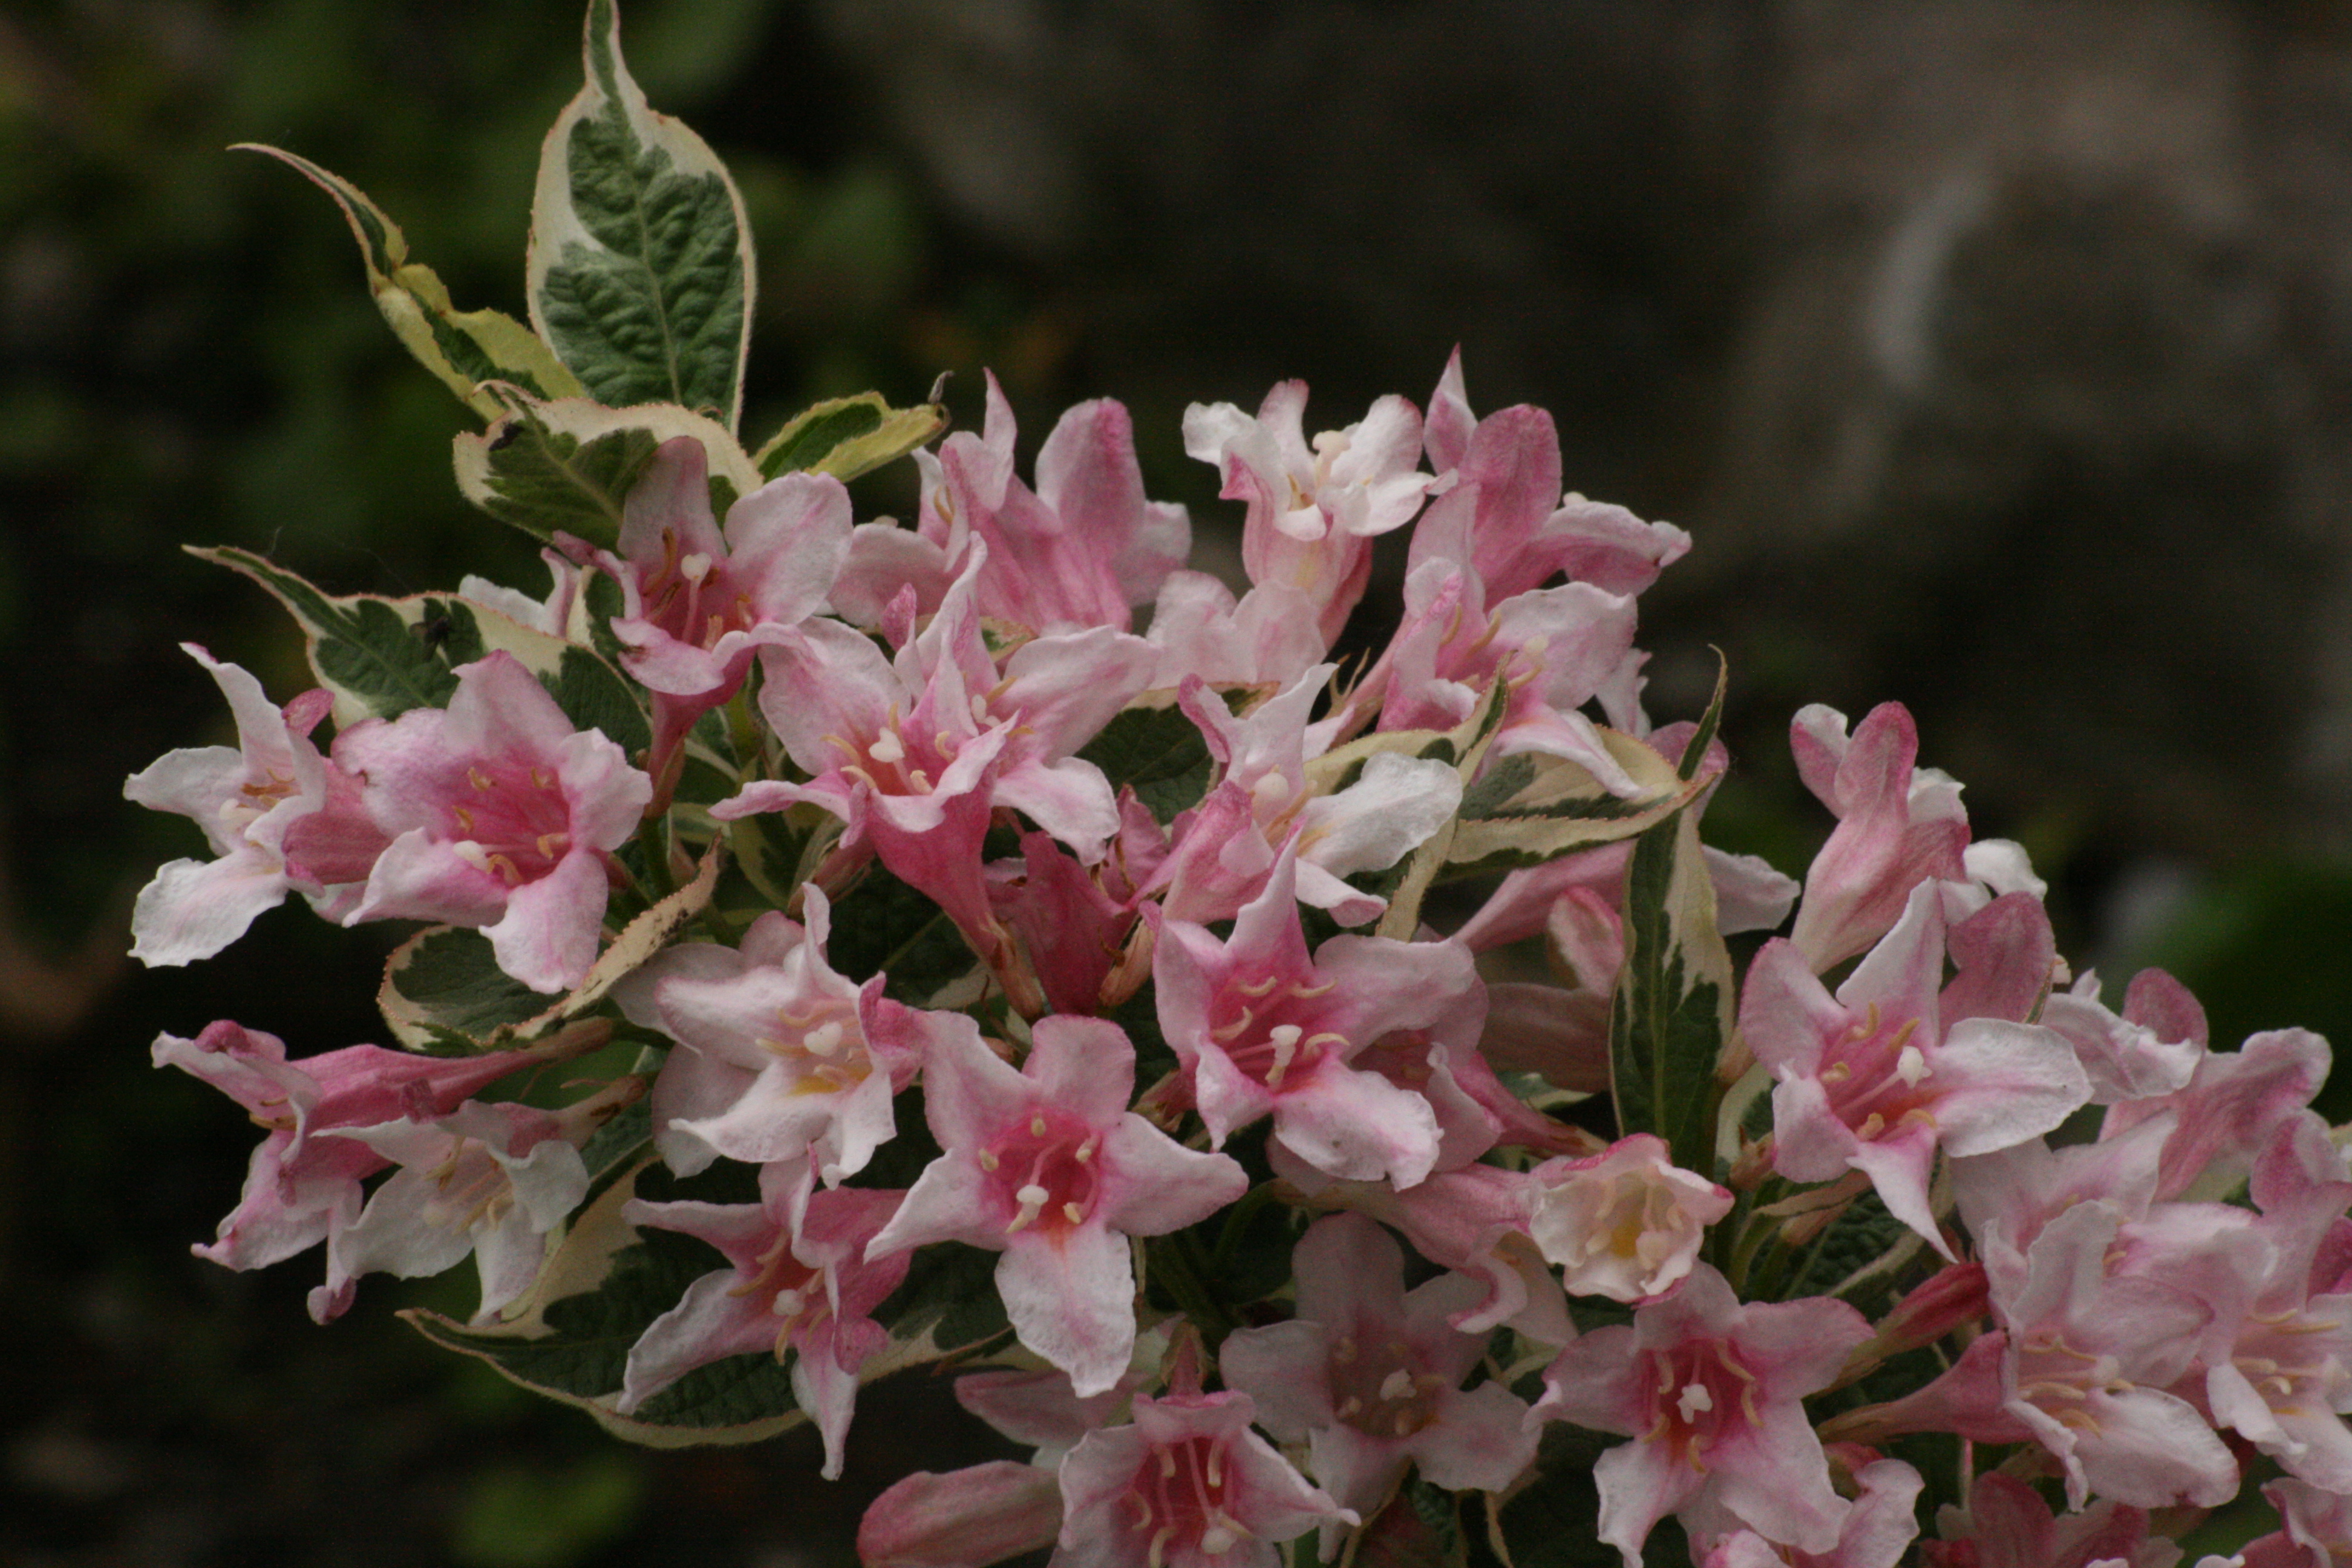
303	1188
502	815
1261	1029
1078	551
797	1279
1186	1485
1314	509
1710	1390
1626	1224
1370	1375
1892	1069
913	753
780	1056
490	1180
250	801
1045	1165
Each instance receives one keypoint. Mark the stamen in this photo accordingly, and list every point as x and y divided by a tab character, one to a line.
887	748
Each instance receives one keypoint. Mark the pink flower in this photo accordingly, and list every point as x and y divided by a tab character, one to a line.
1894	1067
1221	851
1880	1525
1626	1224
1473	1220
2080	1362
797	1279
1368	1375
1313	513
2007	1525
1710	1388
1261	1029
965	1519
779	1055
503	815
1521	533
1078	550
250	801
697	603
914	753
1045	1165
2232	1107
1187	1485
1897	826
492	1181
301	1188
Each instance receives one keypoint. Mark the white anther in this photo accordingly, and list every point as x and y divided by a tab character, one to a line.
1911	1066
887	748
1694	1399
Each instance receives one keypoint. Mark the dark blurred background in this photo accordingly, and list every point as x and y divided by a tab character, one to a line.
1999	356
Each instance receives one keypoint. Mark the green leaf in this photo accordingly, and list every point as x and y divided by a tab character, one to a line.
1159	752
846	436
1863	1244
444	991
882	926
362	649
1549	1520
447	982
640	269
1527	810
1672	1008
465	348
382	657
604	1287
568	466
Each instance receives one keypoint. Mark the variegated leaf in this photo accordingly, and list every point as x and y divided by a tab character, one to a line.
381	657
640	271
465	349
567	466
846	436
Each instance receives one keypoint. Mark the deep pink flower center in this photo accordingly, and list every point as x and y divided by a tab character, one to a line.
1378	1386
1700	1393
899	760
1179	1501
1877	1077
511	818
1271	1031
693	598
1044	1171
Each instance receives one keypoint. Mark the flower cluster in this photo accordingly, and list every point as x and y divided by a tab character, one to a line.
986	941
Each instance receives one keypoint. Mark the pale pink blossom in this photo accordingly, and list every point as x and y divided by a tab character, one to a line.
1314	509
1877	1529
249	800
2151	1048
1522	533
779	1055
1186	1485
1626	1224
797	1279
492	1181
1078	551
1897	826
1368	1375
1045	1165
968	1517
301	1188
2080	1360
1897	1065
1710	1389
502	815
2007	1525
1221	851
1261	1029
913	753
2230	1110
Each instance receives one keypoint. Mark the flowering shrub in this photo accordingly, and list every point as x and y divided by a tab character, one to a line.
949	975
